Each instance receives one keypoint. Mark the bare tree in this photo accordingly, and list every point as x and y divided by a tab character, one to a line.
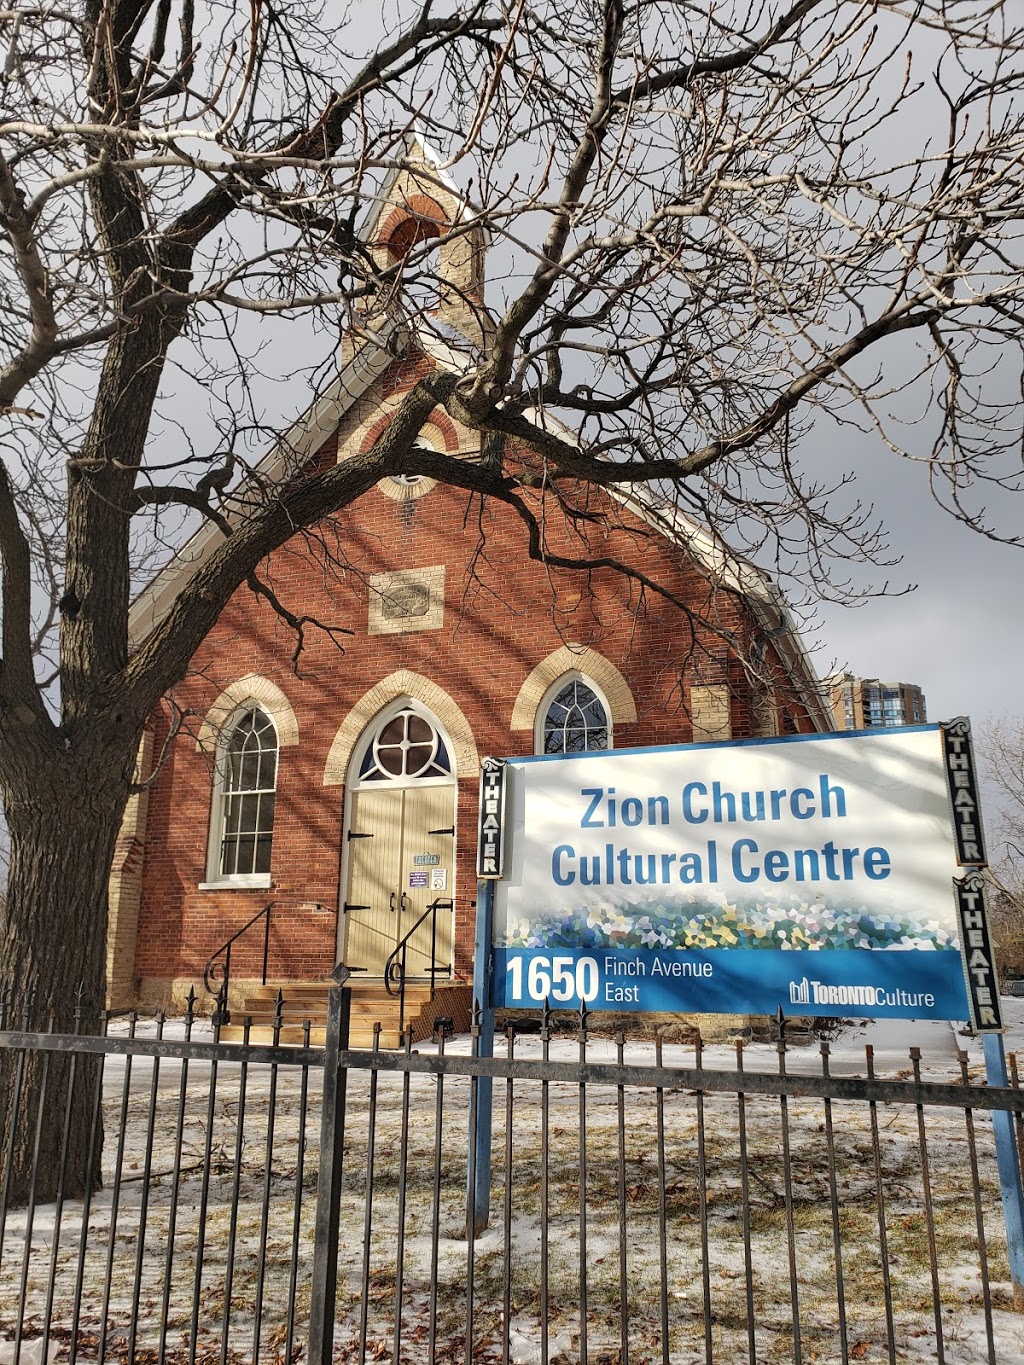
1002	754
710	223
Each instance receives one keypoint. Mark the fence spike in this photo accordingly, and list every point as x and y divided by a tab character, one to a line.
561	1142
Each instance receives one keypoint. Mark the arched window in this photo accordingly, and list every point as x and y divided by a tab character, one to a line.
406	747
421	220
575	719
243	813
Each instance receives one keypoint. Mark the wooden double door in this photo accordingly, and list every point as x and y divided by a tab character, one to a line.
401	859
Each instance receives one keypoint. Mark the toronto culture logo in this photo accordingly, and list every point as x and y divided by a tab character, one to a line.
804	992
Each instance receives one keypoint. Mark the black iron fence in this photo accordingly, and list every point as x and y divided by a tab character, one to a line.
270	1204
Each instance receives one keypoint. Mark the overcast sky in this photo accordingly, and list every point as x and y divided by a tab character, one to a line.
960	635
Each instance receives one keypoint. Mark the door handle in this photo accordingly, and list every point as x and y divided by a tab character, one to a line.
392	902
404	899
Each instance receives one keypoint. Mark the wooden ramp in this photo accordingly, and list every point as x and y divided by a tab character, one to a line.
307	1001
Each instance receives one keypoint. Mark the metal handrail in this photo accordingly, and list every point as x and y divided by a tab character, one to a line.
394	968
215	971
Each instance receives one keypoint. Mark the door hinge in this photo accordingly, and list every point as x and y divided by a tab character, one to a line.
449	830
354	834
346	907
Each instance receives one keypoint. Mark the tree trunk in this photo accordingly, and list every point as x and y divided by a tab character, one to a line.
53	959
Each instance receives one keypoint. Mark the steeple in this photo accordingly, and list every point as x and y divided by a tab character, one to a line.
420	201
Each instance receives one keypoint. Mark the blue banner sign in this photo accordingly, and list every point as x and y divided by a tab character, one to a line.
812	872
855	983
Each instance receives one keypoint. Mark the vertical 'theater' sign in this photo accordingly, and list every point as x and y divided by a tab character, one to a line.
490	837
979	964
963	793
980	973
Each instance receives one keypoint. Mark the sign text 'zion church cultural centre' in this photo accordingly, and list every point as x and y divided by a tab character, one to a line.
825	874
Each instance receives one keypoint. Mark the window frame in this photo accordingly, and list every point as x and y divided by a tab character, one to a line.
563	680
381	720
216	880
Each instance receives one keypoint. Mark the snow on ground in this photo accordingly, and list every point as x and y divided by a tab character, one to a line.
729	1280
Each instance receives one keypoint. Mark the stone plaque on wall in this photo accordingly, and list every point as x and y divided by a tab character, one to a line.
410	599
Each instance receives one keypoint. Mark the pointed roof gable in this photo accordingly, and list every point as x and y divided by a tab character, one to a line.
446	343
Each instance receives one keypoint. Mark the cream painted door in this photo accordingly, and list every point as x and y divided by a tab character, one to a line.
394	836
371	906
428	831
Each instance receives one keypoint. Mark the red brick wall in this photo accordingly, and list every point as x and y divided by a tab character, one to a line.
503	615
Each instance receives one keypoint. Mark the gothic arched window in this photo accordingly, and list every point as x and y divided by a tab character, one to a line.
245	796
575	719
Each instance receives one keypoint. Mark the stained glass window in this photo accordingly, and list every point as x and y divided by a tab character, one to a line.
406	747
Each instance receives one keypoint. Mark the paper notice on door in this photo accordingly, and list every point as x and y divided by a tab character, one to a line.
439	879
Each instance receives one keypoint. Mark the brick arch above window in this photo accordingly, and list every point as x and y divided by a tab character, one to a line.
402	683
418	219
260	692
438	431
576	659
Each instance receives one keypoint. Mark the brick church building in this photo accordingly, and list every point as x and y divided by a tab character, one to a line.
342	785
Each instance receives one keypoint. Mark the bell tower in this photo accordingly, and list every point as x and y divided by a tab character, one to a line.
419	203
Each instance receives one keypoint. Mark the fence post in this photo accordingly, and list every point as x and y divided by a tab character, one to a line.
328	1185
1009	1168
479	1197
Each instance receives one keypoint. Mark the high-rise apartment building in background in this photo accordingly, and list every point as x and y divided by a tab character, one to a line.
869	704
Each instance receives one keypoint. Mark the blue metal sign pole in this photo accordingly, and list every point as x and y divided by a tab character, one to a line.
1009	1170
480	1195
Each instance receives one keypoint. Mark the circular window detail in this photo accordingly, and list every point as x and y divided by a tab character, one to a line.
406	487
406	748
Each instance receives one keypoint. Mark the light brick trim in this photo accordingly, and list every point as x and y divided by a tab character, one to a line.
384	587
252	688
574	659
406	492
764	716
710	713
402	683
438	431
124	888
447	437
